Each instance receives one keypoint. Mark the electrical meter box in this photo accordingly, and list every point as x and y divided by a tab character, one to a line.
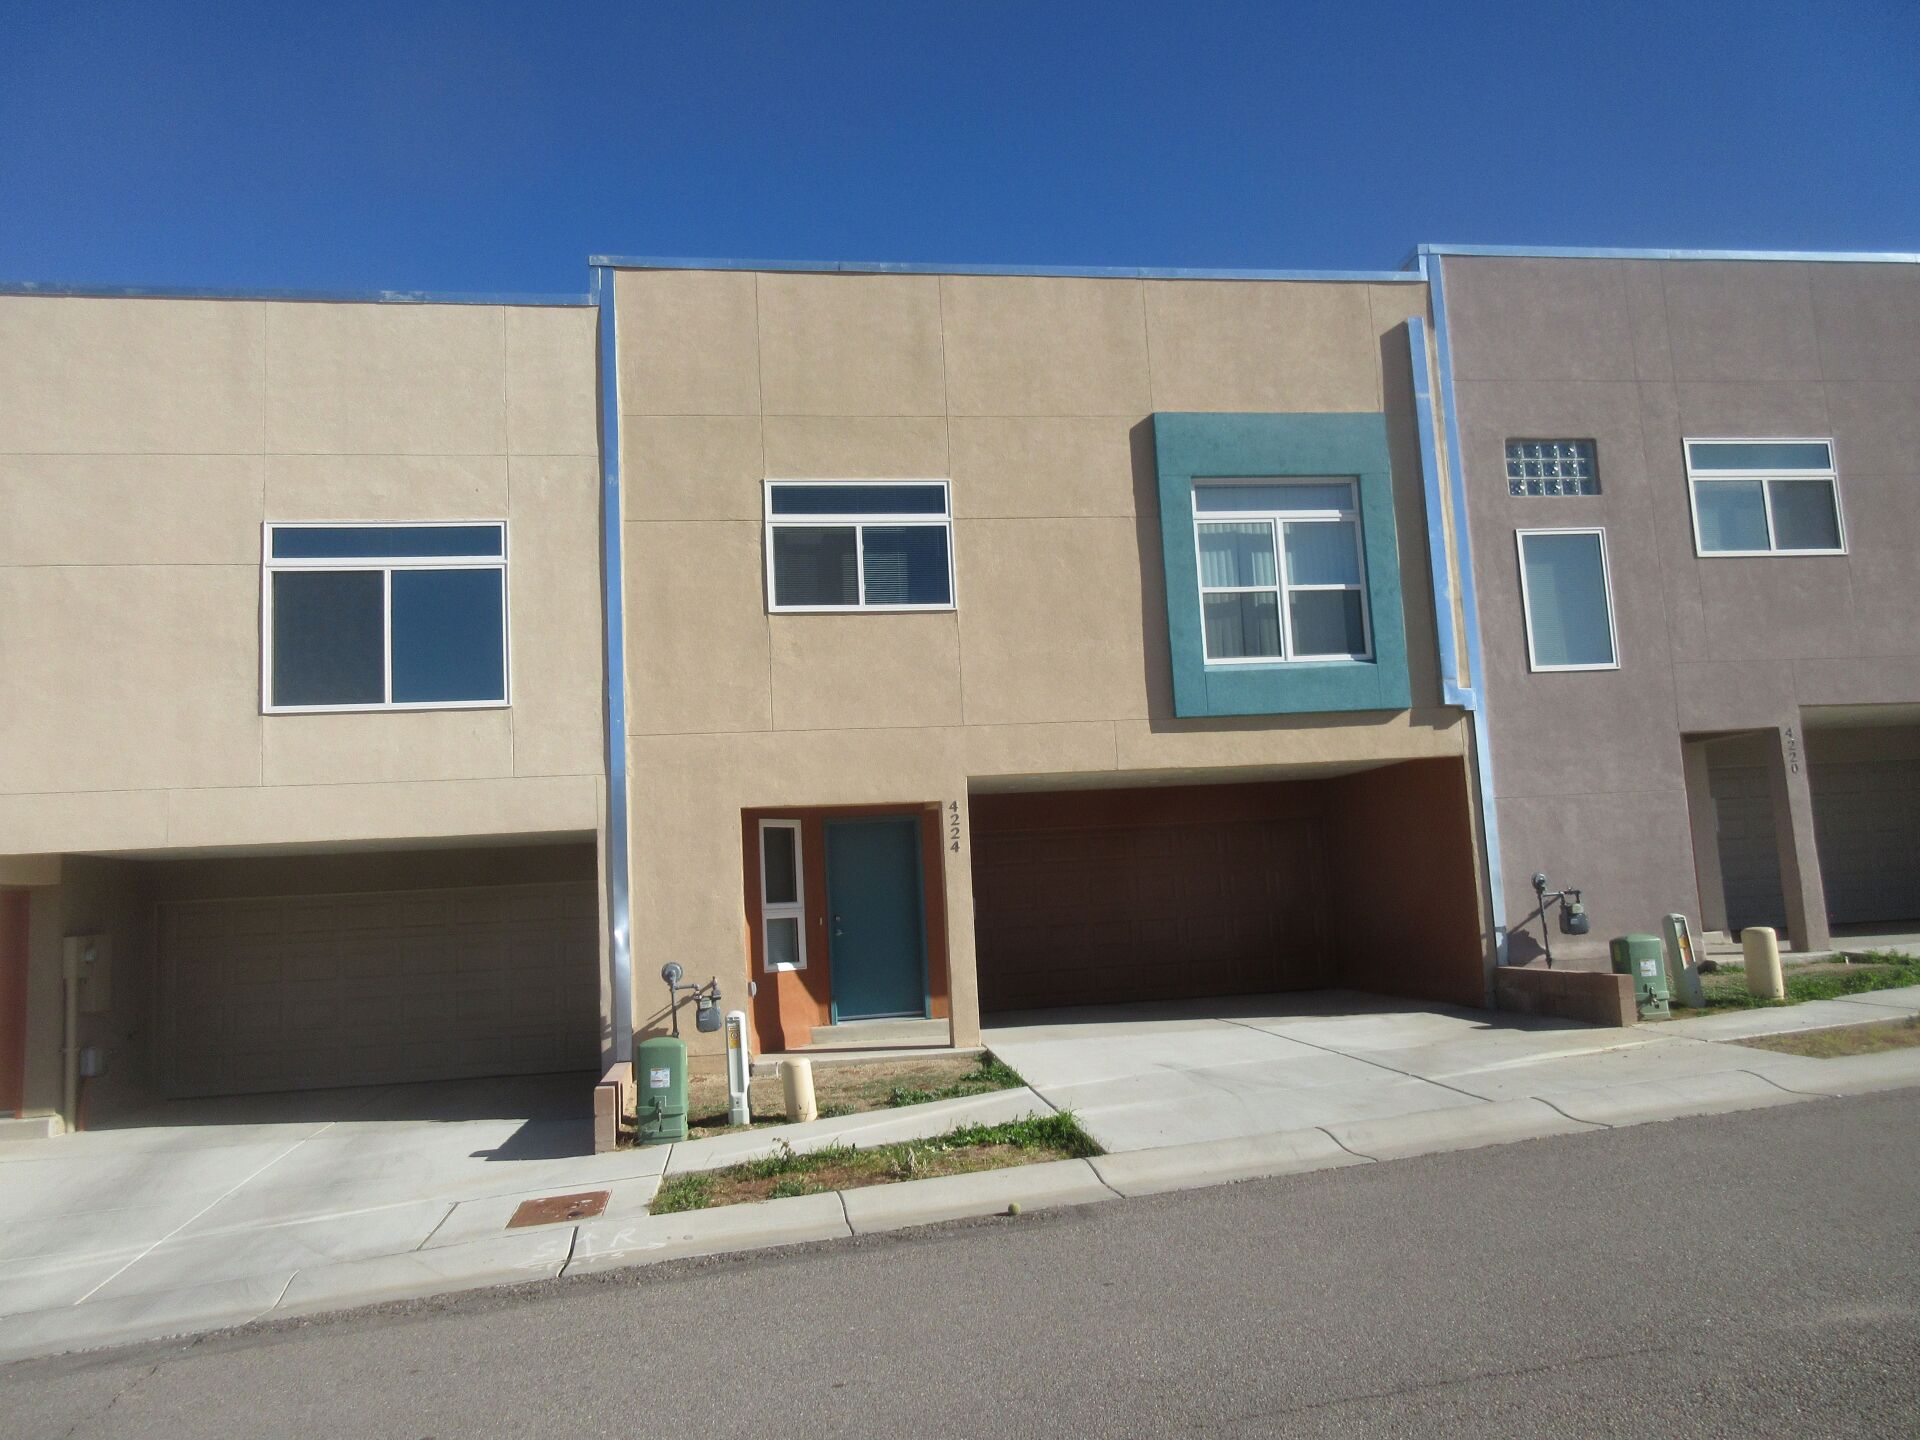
660	1079
1644	958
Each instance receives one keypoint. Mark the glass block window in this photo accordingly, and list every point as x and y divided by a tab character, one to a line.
1552	467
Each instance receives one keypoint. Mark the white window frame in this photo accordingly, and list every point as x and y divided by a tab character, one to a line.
795	909
858	523
1282	587
1830	474
1526	598
271	565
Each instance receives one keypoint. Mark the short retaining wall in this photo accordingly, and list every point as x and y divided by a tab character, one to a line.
1598	997
609	1104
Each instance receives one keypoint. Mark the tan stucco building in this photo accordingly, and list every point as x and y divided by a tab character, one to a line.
276	895
393	685
903	736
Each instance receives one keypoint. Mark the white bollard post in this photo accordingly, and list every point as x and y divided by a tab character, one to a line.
739	1069
796	1079
1761	948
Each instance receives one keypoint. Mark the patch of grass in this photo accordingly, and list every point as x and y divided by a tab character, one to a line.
989	1073
1868	1039
683	1192
962	1150
1726	988
791	1187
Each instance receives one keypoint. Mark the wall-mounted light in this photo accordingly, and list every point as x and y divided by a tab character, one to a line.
1573	913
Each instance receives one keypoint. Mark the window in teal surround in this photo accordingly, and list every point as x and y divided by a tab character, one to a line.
1245	595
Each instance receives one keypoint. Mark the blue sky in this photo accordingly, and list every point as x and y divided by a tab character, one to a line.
492	146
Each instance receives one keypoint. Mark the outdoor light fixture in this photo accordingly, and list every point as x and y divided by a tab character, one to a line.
1573	914
706	999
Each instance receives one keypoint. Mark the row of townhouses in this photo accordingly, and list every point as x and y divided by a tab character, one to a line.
390	685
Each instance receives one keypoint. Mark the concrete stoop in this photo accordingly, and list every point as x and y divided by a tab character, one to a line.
881	1034
610	1244
31	1127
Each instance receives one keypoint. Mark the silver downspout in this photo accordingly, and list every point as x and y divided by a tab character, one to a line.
619	915
1470	694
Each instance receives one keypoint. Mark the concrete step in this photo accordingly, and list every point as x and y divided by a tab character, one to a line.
31	1127
853	1033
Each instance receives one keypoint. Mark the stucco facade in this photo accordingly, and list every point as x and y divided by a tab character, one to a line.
1035	398
1605	779
144	446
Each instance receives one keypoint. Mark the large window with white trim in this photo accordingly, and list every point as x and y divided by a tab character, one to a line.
1765	497
859	545
783	906
1566	593
374	616
1282	572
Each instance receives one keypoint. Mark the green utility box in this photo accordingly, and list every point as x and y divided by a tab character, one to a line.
1644	958
660	1071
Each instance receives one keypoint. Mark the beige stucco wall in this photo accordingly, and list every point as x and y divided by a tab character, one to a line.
1034	396
142	445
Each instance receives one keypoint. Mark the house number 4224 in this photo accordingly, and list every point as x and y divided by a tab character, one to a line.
953	826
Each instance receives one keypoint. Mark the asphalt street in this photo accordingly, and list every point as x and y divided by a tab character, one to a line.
1740	1275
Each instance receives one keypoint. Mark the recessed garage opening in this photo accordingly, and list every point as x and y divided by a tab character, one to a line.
244	973
1159	893
1864	779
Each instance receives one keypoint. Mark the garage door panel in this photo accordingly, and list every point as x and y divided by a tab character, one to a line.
299	992
1866	820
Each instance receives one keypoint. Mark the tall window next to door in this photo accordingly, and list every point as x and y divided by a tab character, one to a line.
1282	572
1765	497
783	906
859	545
384	617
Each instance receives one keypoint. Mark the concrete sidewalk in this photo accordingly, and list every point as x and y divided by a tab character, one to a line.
120	1236
1139	1077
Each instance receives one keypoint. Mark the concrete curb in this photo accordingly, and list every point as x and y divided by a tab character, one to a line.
985	1192
129	1319
530	1255
616	1244
1845	1074
1221	1162
871	1127
1498	1122
1648	1100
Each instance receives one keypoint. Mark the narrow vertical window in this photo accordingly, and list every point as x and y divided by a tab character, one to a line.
783	908
1567	597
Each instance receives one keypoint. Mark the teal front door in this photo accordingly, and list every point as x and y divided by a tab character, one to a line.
874	918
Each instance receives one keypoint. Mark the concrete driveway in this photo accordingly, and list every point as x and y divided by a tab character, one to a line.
256	1188
1143	1076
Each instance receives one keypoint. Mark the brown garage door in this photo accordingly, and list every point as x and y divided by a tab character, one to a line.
301	992
1147	912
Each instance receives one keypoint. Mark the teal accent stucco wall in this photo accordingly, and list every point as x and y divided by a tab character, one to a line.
1190	445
